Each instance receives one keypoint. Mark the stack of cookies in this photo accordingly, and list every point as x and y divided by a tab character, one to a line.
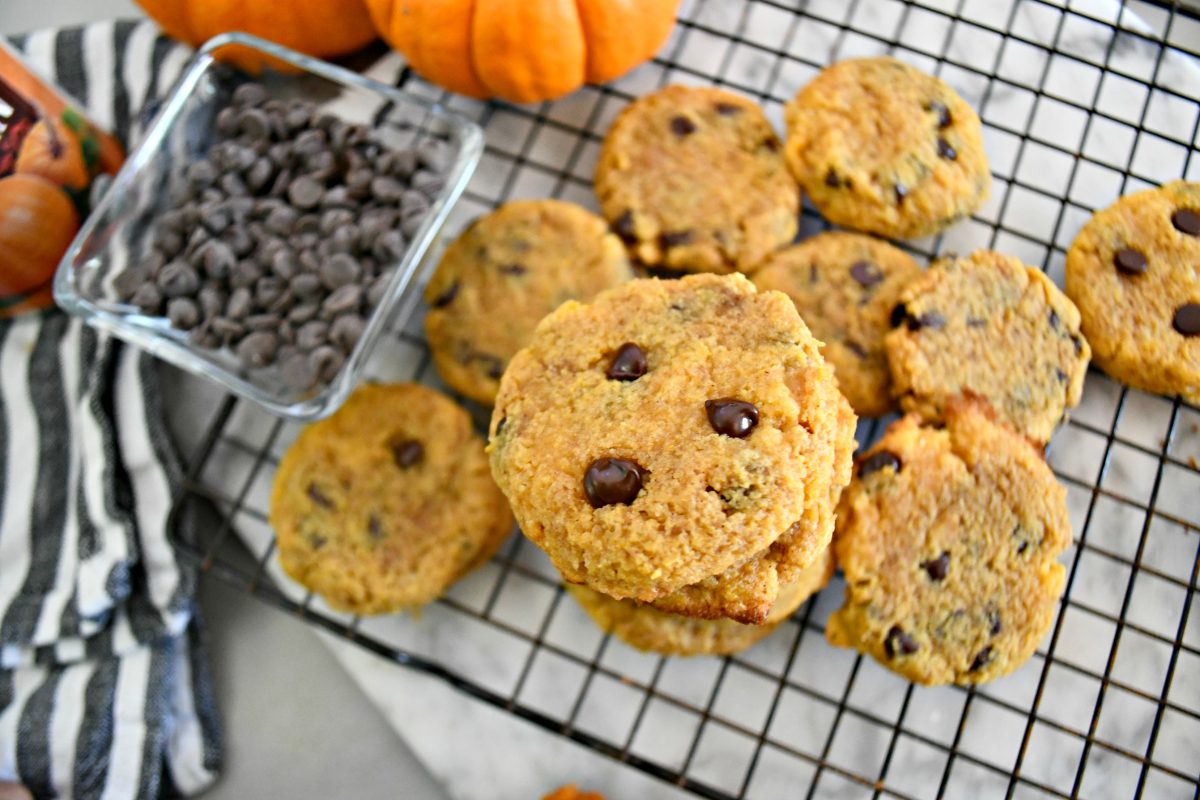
677	448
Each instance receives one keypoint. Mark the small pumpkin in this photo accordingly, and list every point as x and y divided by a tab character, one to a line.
524	50
37	223
322	28
52	151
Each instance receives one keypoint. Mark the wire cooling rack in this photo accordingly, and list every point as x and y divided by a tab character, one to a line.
1082	102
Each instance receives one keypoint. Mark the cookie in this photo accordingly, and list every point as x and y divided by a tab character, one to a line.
383	505
504	273
663	433
747	593
1134	272
649	629
990	326
845	286
883	147
694	180
948	539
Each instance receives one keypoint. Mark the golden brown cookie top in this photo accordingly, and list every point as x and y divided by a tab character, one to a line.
988	325
384	504
845	286
881	146
505	272
693	179
948	538
748	592
1134	271
663	433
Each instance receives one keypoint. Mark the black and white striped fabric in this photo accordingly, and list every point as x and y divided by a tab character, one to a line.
104	686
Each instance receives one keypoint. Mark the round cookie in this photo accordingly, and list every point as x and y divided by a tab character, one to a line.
664	433
1134	272
747	593
649	629
383	505
845	286
948	539
883	147
693	179
505	272
989	326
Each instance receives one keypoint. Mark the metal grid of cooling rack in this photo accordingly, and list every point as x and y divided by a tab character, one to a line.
1081	102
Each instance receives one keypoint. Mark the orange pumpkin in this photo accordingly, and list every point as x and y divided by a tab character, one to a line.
52	151
523	50
37	223
322	28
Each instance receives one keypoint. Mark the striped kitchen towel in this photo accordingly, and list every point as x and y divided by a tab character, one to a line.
104	686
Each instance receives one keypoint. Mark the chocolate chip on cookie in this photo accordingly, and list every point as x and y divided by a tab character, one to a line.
609	481
628	363
730	417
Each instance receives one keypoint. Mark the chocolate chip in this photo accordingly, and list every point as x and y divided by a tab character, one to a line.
319	497
249	94
612	481
446	297
296	372
1186	221
500	425
897	641
1054	320
878	461
1130	261
304	192
982	659
938	567
901	192
832	180
178	279
258	348
945	150
1078	341
628	363
492	367
731	417
856	348
1187	319
515	270
374	528
930	319
994	623
943	113
624	227
183	313
344	299
407	453
346	330
728	109
682	126
899	315
339	270
866	273
976	322
326	361
675	238
1062	376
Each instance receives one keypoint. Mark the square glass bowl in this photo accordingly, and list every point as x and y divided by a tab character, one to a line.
120	232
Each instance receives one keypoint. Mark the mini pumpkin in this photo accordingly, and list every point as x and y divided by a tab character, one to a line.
37	223
322	28
52	151
523	51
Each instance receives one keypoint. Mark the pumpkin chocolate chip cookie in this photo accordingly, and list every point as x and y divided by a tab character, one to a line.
948	539
504	273
647	628
383	505
748	592
880	146
693	179
845	286
664	432
990	326
1134	272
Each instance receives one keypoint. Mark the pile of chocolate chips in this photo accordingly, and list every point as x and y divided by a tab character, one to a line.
285	236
